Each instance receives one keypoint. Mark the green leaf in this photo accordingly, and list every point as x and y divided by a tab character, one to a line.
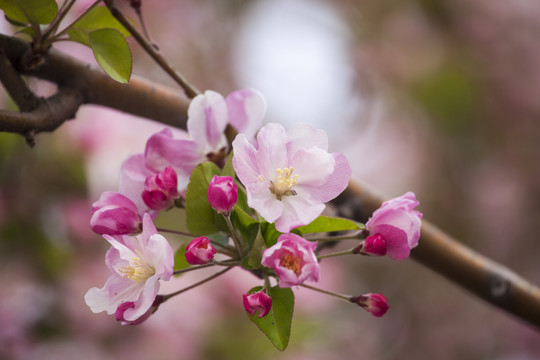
99	18
180	261
80	36
276	325
328	224
257	249
228	169
269	233
201	218
112	53
245	224
30	11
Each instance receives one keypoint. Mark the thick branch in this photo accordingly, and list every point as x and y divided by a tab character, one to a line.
437	250
140	97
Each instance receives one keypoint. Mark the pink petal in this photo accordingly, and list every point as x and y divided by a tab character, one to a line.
132	177
302	135
145	300
115	291
335	183
271	153
246	111
207	119
312	165
298	210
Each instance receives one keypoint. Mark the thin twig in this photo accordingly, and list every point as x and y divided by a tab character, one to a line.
168	296
190	90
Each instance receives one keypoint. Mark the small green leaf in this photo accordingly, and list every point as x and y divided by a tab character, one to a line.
257	249
99	18
201	218
228	169
80	36
245	224
276	325
30	11
180	261
112	53
269	233
328	224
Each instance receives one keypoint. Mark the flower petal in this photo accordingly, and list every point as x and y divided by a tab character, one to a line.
246	111
207	119
115	291
271	153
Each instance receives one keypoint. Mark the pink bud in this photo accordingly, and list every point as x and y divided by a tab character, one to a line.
376	304
199	251
121	309
398	224
115	214
222	192
257	302
160	190
374	245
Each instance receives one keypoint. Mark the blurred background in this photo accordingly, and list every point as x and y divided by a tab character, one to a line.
440	97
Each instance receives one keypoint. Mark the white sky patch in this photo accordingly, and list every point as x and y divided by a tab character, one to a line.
295	53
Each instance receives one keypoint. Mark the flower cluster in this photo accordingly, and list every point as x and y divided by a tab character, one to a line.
256	204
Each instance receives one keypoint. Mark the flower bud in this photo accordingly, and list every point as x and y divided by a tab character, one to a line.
374	245
222	192
376	304
398	224
160	190
121	309
115	214
257	302
199	251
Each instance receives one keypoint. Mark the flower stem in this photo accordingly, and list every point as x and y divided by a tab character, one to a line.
345	297
339	253
175	232
234	236
168	296
356	236
62	32
192	268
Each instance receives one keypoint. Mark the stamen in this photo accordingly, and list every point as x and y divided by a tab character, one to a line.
283	183
292	262
137	272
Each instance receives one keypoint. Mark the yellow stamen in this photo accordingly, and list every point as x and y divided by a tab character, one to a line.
137	272
284	182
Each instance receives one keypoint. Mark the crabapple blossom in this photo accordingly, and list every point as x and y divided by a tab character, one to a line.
395	224
376	304
289	175
374	245
137	263
115	214
160	189
199	251
293	259
257	302
222	193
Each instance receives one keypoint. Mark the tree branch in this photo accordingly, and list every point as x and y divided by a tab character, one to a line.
438	251
445	255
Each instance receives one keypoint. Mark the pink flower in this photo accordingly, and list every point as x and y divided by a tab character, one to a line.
398	224
137	264
257	302
114	214
376	304
160	189
199	251
289	175
222	193
293	260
